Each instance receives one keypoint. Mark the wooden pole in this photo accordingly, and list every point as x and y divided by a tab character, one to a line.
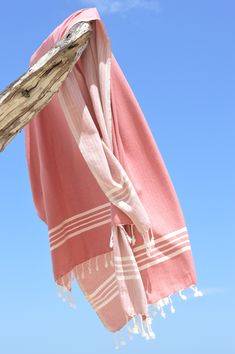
27	95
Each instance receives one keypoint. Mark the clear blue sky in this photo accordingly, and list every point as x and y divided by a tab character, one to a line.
178	57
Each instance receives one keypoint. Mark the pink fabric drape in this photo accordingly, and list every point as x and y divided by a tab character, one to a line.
100	184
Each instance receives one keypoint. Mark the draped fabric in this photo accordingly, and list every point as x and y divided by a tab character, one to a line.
99	182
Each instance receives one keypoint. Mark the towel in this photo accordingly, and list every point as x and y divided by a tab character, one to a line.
99	182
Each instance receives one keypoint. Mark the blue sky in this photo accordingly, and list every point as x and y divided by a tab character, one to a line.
178	57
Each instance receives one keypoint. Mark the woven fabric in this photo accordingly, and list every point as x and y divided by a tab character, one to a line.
99	182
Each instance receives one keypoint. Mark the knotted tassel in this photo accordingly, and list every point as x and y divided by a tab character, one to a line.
129	332
89	266
152	241
171	305
159	305
154	312
132	235
135	329
122	342
111	239
182	296
148	322
76	272
105	258
83	274
197	292
72	303
111	260
96	264
148	244
60	292
143	331
116	342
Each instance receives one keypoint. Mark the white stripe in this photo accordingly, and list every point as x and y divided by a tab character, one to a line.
122	271
52	241
164	237
102	285
160	260
78	221
126	265
165	258
116	199
123	196
78	215
120	184
107	301
113	193
127	258
104	291
160	253
107	295
79	232
164	245
128	277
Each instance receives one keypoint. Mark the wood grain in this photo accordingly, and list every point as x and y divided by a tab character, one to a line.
32	91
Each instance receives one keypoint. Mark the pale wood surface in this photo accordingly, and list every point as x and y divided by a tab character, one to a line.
27	95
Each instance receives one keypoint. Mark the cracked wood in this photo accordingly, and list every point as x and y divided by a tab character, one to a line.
32	91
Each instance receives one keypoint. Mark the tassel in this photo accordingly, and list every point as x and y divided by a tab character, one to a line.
83	274
116	342
143	332
148	322
148	245
154	312
106	263
76	272
197	292
182	296
122	342
128	238
129	332
96	264
165	301
63	290
135	329
152	241
71	300
161	302
159	306
133	239
89	266
171	305
111	260
60	292
111	239
162	312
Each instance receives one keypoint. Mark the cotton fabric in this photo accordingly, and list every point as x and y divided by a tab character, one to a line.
99	182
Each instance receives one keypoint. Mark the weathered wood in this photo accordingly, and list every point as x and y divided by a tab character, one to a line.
32	91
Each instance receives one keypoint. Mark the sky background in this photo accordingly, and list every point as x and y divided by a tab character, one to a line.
178	57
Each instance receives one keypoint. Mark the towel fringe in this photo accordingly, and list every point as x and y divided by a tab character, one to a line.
132	235
106	262
148	242
96	264
142	323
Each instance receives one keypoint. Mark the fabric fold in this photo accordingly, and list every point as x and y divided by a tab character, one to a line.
99	182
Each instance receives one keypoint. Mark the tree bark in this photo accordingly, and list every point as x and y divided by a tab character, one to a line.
32	91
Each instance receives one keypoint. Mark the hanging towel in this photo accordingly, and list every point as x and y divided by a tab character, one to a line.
99	182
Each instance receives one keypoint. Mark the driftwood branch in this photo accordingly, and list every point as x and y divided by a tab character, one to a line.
32	91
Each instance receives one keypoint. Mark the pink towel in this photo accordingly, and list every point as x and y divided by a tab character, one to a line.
100	184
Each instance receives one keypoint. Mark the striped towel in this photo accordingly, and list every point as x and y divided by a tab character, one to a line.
100	184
